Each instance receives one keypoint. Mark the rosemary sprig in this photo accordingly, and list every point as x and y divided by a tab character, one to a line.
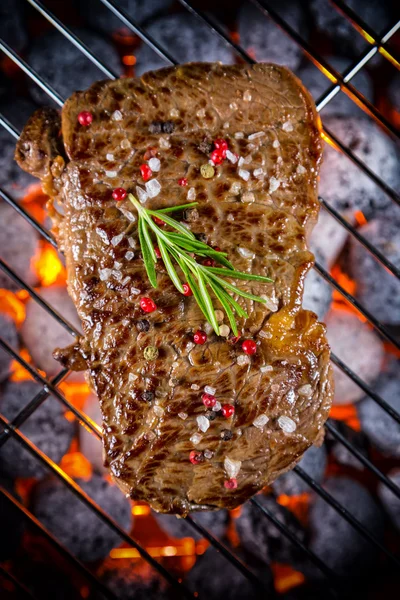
179	246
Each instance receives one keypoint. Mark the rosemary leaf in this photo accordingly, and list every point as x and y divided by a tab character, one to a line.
147	257
238	274
212	319
221	295
169	266
171	209
172	223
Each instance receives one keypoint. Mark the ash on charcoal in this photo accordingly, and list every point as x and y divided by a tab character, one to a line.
63	65
195	42
357	346
9	334
327	239
90	445
101	18
12	24
378	426
46	427
17	255
128	583
11	522
377	289
262	38
390	501
215	522
334	540
313	462
76	525
260	538
346	39
41	333
317	294
343	185
214	577
356	438
317	83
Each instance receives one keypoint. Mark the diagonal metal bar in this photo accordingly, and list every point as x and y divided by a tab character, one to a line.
58	546
35	296
81	495
8	51
47	14
9	127
363	459
343	512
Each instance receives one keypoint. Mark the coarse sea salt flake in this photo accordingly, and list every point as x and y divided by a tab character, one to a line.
196	438
255	136
117	239
153	188
158	410
117	115
301	170
266	368
217	406
305	390
135	291
105	274
164	143
248	197
203	423
132	242
110	156
247	96
130	216
231	157
117	275
201	113
287	126
111	174
271	302
210	390
117	265
154	164
125	144
275	144
129	255
258	173
132	377
232	467
274	183
287	424
244	174
230	218
183	416
208	453
239	135
246	253
241	161
141	194
191	195
125	280
260	421
195	387
243	359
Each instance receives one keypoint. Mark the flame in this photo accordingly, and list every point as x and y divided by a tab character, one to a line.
187	547
346	413
11	304
285	577
297	504
48	266
140	510
76	465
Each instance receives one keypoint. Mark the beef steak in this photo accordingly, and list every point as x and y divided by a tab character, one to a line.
257	209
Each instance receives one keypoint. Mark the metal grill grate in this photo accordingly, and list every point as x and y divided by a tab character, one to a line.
342	83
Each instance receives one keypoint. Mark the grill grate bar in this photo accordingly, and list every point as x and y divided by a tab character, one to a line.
58	546
133	26
331	576
31	73
316	58
47	14
9	127
79	493
355	303
360	238
31	220
219	31
45	305
367	33
226	553
49	387
363	459
20	586
339	508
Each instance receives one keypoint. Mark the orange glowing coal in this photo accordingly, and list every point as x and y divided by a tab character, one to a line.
12	305
346	413
297	504
48	266
76	392
18	372
285	577
76	465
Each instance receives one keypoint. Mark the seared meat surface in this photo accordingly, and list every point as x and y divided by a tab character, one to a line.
257	207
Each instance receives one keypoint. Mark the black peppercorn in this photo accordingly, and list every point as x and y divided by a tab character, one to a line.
226	435
211	415
148	396
142	325
156	127
168	127
205	146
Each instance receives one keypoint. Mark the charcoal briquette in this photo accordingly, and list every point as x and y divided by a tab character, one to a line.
313	462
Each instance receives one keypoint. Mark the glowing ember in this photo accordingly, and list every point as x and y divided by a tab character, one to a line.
346	413
48	266
76	465
75	392
11	304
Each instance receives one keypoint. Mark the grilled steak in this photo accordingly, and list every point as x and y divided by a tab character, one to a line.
258	209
